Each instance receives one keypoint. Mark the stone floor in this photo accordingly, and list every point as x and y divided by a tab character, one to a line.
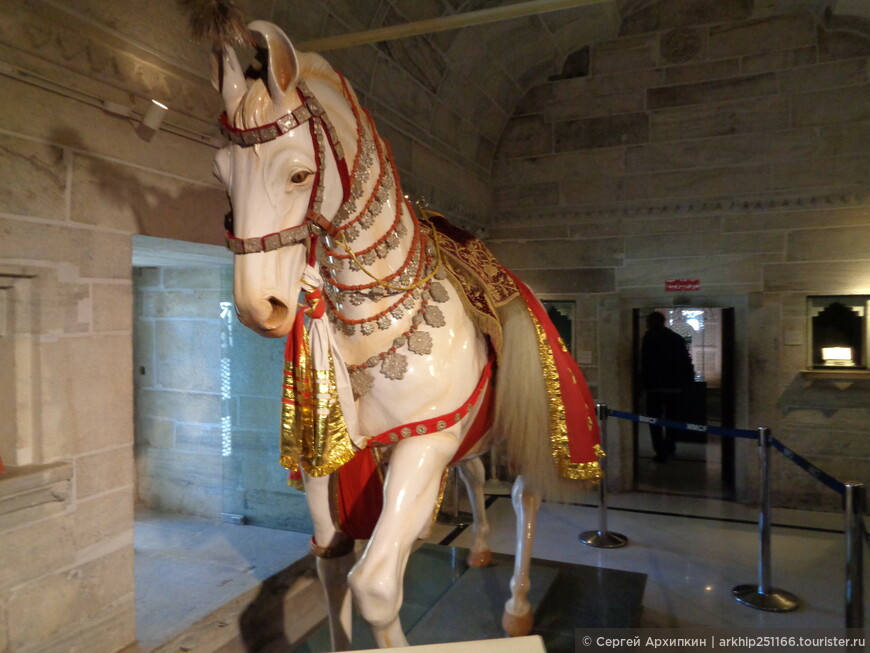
693	551
187	566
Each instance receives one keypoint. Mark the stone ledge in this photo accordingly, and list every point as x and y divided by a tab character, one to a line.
279	614
32	491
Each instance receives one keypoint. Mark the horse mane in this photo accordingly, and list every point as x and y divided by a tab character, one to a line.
257	108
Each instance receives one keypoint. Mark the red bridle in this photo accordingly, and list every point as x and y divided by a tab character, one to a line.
310	111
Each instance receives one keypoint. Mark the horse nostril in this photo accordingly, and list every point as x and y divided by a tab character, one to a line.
279	313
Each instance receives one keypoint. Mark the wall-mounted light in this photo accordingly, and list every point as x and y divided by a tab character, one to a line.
154	115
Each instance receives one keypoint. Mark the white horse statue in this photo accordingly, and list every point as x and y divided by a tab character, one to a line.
412	350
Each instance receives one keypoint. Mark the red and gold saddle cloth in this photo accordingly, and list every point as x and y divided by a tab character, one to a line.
314	435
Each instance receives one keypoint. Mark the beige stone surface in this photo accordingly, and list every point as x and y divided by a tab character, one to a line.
709	182
669	14
95	409
542	169
726	117
762	35
130	199
598	105
836	277
839	174
603	131
33	178
597	188
558	254
708	92
65	122
544	232
729	150
528	195
526	136
668	225
104	522
43	611
113	304
557	281
778	60
37	549
102	472
851	72
798	219
845	104
846	243
702	71
731	269
98	254
699	243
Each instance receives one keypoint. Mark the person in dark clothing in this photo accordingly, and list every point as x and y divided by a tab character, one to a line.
666	372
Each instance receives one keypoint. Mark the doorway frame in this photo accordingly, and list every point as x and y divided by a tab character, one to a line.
616	332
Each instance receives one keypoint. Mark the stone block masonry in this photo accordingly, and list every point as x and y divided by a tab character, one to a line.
705	143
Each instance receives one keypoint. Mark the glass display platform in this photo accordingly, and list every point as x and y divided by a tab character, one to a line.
448	601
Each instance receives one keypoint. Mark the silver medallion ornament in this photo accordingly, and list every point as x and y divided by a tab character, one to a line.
385	322
361	381
434	317
420	342
367	328
438	292
345	328
394	366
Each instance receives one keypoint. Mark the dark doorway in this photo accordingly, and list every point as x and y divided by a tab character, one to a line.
703	464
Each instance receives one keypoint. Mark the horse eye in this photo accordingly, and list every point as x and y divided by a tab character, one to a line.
300	176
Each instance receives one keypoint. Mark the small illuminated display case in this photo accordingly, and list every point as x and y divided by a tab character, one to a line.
837	327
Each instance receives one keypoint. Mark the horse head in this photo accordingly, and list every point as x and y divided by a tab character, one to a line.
281	170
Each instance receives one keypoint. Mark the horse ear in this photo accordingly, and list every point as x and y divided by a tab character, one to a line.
283	64
228	78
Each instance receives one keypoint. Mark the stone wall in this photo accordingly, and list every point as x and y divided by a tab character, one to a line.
716	147
76	181
208	396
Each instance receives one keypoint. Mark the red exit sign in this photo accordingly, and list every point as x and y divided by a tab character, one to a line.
682	285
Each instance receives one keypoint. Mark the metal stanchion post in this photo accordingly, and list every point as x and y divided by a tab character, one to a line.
602	538
763	596
856	497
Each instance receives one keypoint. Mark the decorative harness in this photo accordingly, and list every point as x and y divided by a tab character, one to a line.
313	113
315	223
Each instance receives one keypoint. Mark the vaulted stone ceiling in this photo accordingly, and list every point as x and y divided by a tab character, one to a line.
442	95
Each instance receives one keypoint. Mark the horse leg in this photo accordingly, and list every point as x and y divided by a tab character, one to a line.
410	491
474	475
517	619
335	558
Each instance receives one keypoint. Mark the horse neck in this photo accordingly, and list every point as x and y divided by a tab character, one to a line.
378	237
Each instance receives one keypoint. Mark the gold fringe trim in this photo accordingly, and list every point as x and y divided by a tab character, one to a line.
590	471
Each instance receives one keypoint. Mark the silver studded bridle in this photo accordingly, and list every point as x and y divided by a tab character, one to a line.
322	132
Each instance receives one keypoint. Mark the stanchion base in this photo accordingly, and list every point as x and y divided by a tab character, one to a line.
773	600
603	539
457	519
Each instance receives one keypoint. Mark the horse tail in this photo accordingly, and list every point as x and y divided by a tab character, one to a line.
522	413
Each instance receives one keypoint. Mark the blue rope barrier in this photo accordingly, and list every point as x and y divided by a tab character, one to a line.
670	424
823	477
807	466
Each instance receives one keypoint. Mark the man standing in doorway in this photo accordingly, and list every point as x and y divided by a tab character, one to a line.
666	372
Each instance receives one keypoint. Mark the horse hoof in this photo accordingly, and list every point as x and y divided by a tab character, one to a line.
480	558
517	625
